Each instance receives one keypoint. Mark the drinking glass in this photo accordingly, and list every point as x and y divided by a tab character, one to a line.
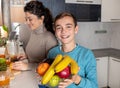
12	49
2	52
4	79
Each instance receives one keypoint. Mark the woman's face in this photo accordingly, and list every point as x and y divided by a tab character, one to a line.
33	21
65	30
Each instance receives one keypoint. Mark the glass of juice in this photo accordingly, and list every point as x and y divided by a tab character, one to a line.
2	52
12	49
4	79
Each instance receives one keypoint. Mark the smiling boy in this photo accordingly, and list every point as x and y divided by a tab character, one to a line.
66	27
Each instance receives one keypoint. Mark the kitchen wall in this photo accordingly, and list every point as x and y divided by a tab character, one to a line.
87	37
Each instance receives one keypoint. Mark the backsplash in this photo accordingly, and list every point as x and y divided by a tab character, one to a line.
88	37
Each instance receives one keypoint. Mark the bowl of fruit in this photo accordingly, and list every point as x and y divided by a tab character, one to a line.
62	67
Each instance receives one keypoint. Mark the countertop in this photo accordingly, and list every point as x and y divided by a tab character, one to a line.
29	79
111	52
26	79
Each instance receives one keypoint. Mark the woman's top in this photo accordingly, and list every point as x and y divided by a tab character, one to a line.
87	63
36	42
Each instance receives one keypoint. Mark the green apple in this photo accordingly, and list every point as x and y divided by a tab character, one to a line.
2	60
54	81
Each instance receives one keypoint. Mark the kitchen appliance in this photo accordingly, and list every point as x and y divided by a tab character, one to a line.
84	11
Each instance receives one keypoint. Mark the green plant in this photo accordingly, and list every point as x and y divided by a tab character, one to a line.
3	39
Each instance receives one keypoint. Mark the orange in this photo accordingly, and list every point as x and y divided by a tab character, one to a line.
42	68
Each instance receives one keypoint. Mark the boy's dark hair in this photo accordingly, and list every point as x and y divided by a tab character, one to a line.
64	14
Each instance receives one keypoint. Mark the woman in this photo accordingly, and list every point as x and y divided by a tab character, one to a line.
40	38
65	29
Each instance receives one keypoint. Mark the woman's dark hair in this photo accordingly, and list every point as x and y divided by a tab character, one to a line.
37	8
64	14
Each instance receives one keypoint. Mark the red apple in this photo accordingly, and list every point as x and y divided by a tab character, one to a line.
65	73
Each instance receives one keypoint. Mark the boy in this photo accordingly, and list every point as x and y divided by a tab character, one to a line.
66	27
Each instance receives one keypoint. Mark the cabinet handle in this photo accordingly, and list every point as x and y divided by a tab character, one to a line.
115	19
97	59
84	1
116	60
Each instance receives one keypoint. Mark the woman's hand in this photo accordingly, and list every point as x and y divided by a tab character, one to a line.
22	57
19	65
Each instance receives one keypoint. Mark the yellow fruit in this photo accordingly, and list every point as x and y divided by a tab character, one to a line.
50	72
63	63
58	58
74	67
47	76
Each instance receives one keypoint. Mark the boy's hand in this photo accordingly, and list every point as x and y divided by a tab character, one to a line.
75	79
65	83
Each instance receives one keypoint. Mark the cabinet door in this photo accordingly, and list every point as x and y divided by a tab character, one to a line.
0	14
47	3
55	6
102	71
84	1
17	14
58	7
114	73
110	10
88	12
71	8
84	13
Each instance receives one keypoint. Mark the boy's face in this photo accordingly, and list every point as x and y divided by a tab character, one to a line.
65	30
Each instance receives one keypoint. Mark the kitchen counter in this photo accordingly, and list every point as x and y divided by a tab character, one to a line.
29	79
26	79
107	52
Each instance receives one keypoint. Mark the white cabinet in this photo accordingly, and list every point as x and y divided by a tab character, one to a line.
102	71
110	11
114	73
84	1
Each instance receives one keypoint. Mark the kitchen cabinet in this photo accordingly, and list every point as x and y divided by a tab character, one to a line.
55	6
0	14
17	13
17	10
47	3
110	11
84	12
58	7
0	18
114	73
102	71
83	1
